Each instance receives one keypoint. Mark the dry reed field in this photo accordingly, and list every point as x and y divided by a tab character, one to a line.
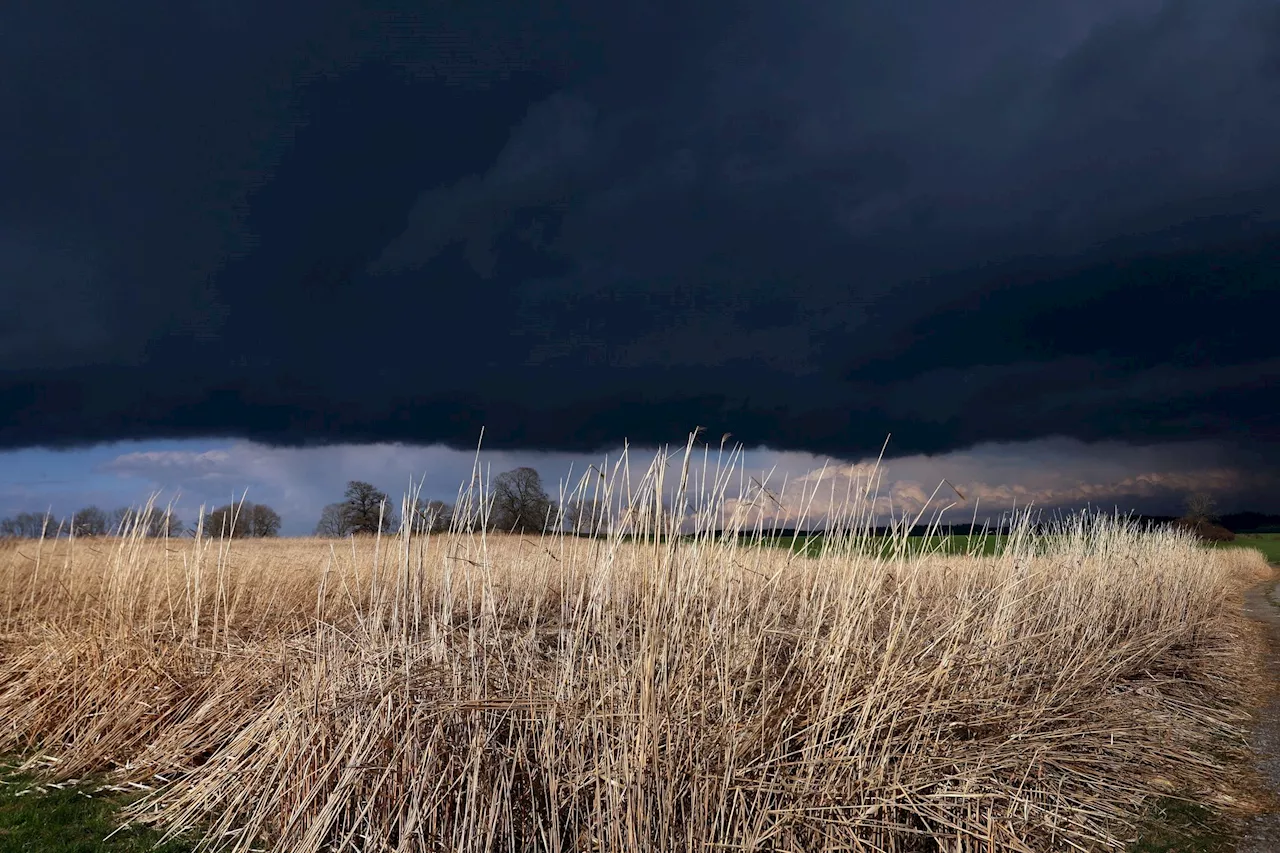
489	692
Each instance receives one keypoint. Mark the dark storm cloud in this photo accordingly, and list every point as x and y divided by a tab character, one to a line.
809	226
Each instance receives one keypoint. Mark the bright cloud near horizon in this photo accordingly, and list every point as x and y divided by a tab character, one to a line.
993	478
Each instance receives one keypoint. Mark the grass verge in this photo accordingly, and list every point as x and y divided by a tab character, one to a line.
83	817
1177	826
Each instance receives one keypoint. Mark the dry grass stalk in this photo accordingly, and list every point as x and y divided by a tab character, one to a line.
469	692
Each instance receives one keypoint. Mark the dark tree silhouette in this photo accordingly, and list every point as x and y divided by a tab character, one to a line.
28	525
162	522
335	522
1201	513
265	521
243	521
90	521
1201	507
368	509
121	520
157	522
520	503
586	517
433	517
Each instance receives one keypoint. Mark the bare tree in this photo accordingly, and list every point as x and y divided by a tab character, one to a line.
433	517
586	517
225	521
155	522
27	525
520	503
335	522
161	523
1201	507
264	521
644	518
368	509
243	521
90	521
121	520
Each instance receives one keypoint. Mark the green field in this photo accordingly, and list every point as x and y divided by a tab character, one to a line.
887	547
1176	826
1267	543
78	820
71	819
882	546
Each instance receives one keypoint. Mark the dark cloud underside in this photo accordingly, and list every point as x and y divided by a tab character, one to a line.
570	224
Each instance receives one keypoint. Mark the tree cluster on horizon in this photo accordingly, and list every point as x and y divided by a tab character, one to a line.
91	521
517	502
242	521
364	510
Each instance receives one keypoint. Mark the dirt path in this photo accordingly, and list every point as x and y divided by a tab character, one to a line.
1262	834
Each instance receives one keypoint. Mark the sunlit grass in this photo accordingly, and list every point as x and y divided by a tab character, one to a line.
476	692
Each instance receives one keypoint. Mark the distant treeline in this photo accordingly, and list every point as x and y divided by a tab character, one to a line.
520	503
1251	522
91	521
244	520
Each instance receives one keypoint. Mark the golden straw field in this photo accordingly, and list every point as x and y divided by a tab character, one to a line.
489	692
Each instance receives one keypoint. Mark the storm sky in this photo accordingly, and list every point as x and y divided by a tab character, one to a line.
1040	238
